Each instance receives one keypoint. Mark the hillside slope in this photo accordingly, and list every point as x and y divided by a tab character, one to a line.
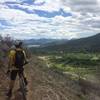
47	84
90	44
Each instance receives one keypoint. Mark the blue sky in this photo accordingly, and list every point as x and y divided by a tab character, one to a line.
24	19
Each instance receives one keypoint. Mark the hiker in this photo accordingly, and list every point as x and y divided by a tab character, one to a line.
17	59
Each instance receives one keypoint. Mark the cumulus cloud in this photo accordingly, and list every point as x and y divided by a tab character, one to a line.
49	18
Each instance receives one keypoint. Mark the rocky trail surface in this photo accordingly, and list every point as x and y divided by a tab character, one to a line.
47	84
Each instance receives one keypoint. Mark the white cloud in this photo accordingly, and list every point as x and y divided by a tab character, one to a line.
3	1
84	21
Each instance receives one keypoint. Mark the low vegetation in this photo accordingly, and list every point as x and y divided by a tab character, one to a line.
78	64
5	44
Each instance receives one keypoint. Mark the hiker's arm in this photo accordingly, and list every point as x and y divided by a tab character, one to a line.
9	68
26	60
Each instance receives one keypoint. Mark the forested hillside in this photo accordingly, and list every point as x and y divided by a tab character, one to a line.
89	44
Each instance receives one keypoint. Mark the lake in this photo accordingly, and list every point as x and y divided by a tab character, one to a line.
33	46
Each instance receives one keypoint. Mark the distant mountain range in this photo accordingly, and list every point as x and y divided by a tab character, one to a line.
44	42
89	44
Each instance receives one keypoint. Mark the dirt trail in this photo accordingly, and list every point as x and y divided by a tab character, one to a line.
44	84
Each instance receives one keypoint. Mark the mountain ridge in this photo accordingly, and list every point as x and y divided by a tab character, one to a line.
43	41
88	44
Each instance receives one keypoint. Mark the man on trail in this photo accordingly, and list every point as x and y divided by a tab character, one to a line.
17	59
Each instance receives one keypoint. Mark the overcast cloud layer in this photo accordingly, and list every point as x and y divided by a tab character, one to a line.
24	19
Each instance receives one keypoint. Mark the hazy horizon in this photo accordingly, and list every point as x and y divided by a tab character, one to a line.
58	38
51	19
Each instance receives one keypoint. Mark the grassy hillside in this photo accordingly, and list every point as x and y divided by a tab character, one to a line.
75	63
